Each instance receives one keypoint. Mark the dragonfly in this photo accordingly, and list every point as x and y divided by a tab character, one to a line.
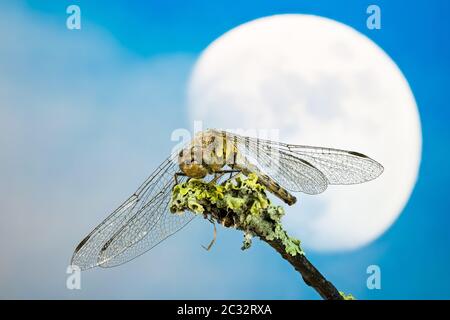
144	219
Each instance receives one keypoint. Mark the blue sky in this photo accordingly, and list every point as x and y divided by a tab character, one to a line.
86	115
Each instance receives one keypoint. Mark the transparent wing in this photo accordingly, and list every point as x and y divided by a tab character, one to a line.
339	166
296	167
289	171
138	225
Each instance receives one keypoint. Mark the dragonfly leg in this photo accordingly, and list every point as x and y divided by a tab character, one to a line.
221	173
178	174
217	176
233	173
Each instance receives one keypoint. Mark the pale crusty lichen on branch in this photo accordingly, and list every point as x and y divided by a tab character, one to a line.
242	203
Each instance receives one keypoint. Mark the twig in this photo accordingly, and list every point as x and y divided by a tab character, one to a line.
309	273
311	276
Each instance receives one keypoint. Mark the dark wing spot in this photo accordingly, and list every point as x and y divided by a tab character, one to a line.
106	245
354	153
81	244
307	163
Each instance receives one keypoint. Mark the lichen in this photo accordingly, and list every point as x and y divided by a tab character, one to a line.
347	296
241	203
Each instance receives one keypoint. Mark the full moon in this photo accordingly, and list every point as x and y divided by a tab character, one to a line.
320	83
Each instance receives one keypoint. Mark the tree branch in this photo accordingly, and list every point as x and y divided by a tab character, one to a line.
309	273
243	204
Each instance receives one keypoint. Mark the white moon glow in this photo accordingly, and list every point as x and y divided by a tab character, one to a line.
320	83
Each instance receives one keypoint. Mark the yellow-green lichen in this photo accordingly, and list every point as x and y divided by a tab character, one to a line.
241	203
347	296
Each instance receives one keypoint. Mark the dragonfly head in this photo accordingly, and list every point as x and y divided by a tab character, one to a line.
190	162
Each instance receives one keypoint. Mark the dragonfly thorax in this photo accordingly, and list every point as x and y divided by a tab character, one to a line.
207	153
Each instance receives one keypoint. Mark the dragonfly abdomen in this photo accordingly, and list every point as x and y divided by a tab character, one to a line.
268	182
